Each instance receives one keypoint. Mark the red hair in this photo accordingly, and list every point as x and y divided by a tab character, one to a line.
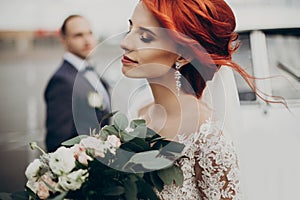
204	30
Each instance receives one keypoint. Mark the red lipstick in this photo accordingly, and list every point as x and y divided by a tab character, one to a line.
127	60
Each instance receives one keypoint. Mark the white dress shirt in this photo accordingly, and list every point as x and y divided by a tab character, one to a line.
91	76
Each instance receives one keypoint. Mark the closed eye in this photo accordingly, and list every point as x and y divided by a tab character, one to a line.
145	34
146	37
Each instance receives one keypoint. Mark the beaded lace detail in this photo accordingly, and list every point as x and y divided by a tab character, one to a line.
209	165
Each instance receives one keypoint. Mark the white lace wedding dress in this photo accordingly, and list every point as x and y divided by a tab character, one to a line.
210	165
212	155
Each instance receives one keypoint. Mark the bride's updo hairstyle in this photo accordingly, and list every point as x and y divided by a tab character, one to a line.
204	32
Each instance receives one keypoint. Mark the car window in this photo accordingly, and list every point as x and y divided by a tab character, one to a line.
283	48
243	57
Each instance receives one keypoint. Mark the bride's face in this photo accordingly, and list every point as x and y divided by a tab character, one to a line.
149	51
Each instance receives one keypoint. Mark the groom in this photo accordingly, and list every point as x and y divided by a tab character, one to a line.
76	98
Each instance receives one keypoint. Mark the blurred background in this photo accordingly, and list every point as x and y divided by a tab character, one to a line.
30	51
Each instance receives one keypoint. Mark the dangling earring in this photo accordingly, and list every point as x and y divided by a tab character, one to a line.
177	75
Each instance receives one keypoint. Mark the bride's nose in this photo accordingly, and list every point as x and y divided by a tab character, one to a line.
127	43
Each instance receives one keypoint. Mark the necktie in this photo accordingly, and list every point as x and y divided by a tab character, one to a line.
90	68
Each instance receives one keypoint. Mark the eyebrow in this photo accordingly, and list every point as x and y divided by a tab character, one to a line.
142	28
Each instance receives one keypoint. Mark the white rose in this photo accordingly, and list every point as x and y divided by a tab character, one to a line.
62	161
43	190
33	169
96	144
74	180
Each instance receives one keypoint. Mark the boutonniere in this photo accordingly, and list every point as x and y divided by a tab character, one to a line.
95	100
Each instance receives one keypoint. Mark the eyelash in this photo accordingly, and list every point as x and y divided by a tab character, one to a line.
146	37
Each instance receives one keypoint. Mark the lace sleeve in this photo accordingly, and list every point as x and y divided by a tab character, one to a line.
216	166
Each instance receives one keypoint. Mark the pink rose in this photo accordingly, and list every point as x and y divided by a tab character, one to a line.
80	154
43	190
114	141
47	179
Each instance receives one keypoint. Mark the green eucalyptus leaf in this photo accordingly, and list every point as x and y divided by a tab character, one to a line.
121	121
149	160
137	122
151	133
171	175
75	140
111	130
157	164
144	156
174	147
103	133
125	137
179	176
121	158
139	131
169	148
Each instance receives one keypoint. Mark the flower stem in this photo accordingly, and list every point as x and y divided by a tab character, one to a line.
33	145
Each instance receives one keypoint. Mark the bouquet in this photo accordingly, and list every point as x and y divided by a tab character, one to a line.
121	161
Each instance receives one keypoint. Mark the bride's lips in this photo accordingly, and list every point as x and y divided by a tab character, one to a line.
127	60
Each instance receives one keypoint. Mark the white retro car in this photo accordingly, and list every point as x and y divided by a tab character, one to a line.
270	144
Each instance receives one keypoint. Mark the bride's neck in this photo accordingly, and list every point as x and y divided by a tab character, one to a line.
166	98
165	94
171	114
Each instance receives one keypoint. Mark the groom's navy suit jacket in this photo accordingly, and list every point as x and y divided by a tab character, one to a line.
68	112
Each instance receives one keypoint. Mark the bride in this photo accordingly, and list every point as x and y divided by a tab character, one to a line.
184	49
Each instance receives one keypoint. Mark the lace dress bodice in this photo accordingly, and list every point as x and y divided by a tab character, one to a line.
210	167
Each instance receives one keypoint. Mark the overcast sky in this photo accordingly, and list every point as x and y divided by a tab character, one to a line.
106	16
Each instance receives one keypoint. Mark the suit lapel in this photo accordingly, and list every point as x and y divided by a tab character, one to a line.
82	77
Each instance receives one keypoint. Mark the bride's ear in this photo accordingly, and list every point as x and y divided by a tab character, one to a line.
183	61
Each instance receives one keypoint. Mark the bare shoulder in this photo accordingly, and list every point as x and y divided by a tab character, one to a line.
142	112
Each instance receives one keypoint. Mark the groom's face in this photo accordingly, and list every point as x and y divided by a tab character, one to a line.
79	38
